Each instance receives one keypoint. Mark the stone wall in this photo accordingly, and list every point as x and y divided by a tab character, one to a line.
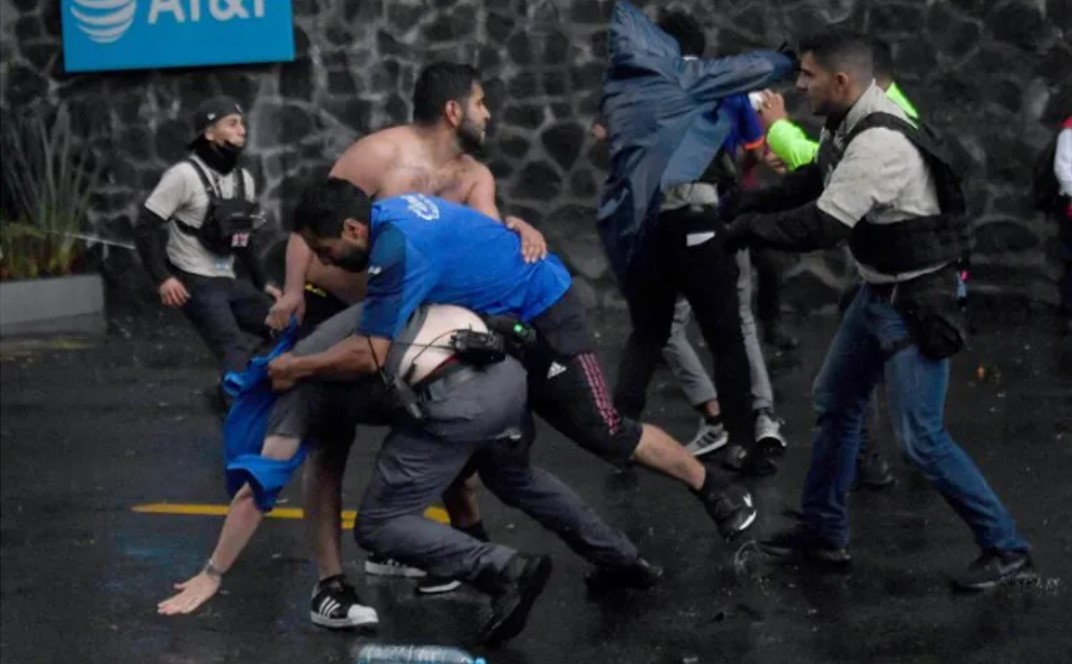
996	74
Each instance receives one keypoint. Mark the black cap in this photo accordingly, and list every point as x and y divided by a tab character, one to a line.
209	112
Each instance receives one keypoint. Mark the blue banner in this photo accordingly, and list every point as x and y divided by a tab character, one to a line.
145	34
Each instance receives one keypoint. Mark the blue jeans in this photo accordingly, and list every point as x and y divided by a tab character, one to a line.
872	339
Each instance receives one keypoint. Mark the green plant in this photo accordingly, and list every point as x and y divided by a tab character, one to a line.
47	180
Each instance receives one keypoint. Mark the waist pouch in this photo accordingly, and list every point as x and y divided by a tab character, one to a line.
930	310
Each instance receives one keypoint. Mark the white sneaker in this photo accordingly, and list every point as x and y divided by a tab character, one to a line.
709	438
388	567
769	432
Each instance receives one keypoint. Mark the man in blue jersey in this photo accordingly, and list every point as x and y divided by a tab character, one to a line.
424	250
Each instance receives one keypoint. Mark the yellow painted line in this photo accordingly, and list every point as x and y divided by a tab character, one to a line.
348	516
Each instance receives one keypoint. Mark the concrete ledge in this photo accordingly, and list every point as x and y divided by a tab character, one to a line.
49	306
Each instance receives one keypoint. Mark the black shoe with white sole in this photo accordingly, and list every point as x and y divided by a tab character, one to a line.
994	568
640	575
335	605
732	510
520	584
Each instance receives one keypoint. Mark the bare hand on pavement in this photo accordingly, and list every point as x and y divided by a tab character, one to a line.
193	593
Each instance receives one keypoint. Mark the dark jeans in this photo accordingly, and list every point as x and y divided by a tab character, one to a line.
222	311
871	416
870	342
686	256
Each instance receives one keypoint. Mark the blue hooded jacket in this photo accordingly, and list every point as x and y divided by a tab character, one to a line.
245	428
664	122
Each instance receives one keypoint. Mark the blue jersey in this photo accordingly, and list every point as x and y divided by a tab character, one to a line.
426	250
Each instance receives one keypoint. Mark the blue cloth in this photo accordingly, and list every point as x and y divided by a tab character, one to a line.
247	425
870	330
426	250
665	127
745	126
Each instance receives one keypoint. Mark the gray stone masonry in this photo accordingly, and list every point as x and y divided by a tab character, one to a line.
995	75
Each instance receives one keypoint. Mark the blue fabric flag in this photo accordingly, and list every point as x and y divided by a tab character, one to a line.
246	426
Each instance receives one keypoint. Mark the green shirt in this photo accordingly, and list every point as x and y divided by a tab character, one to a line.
796	149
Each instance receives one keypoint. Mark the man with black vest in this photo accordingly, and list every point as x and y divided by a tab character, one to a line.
206	203
891	191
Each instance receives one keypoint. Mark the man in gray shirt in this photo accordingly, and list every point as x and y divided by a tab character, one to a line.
891	191
191	271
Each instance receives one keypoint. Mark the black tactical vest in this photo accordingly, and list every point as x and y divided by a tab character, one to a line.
922	242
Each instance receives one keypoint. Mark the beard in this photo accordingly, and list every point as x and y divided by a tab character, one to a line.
356	259
470	136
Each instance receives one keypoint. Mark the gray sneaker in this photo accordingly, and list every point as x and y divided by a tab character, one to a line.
709	438
769	433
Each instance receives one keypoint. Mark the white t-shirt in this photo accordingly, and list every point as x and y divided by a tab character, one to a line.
1062	161
181	195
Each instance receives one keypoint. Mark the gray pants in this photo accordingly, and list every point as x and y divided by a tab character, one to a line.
480	424
328	409
686	365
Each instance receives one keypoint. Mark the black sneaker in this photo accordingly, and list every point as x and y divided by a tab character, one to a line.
437	585
731	509
994	568
641	575
335	605
753	461
800	543
522	582
872	472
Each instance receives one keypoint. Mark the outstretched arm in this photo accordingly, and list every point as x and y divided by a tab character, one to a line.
354	356
243	519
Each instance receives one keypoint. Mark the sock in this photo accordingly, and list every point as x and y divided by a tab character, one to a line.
713	420
475	531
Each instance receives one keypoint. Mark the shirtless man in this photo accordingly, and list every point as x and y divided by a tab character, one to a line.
430	156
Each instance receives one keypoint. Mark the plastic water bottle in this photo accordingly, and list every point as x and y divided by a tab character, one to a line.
378	654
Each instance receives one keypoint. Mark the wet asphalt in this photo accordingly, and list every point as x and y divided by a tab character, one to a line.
91	427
